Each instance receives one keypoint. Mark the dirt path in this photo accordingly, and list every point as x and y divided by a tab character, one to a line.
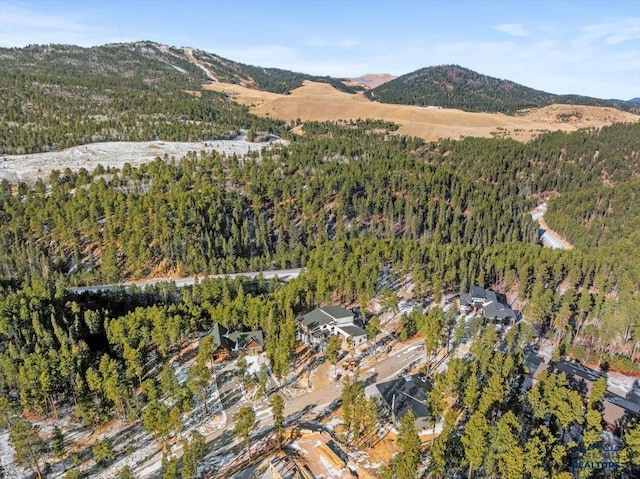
189	54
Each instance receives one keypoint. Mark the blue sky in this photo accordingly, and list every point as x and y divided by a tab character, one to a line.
586	47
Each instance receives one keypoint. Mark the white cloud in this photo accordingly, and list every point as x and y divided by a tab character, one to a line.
514	29
22	24
609	33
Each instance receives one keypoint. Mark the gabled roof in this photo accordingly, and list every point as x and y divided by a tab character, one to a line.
498	310
404	394
242	340
491	296
316	319
219	334
465	299
478	292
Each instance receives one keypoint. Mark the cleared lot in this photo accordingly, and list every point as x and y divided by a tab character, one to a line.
28	168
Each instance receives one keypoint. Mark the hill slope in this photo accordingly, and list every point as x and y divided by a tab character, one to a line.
452	86
273	80
56	96
321	102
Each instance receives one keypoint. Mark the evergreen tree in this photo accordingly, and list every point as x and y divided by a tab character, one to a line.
407	461
277	409
194	450
244	423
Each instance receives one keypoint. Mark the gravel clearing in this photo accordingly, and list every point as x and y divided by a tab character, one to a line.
28	168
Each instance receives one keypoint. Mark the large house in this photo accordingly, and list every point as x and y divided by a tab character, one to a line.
316	326
227	344
493	308
399	396
616	408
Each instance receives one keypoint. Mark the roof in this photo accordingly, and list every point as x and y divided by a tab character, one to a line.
491	296
624	403
284	467
578	372
337	312
219	334
353	331
497	310
242	340
465	299
477	292
404	394
316	319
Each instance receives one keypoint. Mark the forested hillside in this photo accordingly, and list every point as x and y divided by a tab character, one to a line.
215	214
53	97
596	173
452	86
602	219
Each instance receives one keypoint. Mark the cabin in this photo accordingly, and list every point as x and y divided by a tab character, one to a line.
222	346
227	344
250	343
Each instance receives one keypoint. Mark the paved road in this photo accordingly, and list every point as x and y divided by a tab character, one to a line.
551	241
282	274
549	238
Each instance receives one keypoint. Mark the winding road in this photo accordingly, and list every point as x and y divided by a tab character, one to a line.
282	274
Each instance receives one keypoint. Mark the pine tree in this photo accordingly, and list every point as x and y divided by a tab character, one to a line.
244	423
277	408
29	447
408	460
194	450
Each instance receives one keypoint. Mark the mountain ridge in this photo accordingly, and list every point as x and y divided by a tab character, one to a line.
144	91
449	86
453	86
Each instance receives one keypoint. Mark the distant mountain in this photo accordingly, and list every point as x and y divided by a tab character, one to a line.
452	86
373	80
635	100
274	80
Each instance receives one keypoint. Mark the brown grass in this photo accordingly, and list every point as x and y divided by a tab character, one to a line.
321	102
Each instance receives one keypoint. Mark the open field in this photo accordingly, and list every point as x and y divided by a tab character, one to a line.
322	102
114	154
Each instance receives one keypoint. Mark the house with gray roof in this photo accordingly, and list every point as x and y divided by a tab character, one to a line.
227	343
493	306
316	326
399	396
618	406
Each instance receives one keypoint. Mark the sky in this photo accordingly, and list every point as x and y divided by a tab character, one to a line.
586	47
